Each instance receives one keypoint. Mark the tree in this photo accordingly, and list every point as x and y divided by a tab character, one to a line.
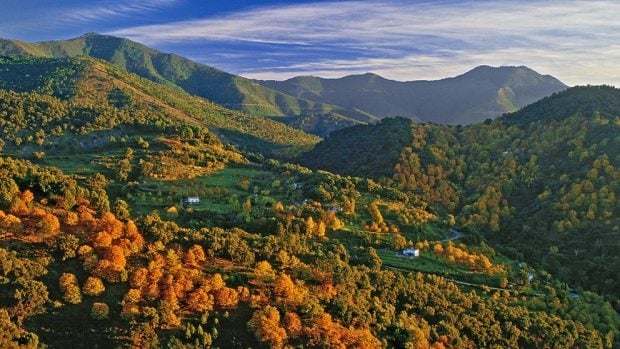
49	224
374	212
99	311
70	288
67	245
310	226
293	325
13	337
30	298
93	286
200	300
194	256
264	272
287	292
320	229
227	297
124	168
266	325
8	190
121	209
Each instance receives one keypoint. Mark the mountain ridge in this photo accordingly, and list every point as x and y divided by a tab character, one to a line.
482	92
228	90
457	100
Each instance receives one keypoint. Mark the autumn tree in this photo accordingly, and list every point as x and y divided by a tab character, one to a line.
99	311
49	224
264	272
292	324
266	325
67	244
93	286
200	300
375	213
287	291
194	256
121	209
70	288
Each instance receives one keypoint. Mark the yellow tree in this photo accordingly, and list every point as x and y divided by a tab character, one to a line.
264	272
375	213
93	286
266	324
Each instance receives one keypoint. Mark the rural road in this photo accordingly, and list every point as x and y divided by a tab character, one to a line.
456	235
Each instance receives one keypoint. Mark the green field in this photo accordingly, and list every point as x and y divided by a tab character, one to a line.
431	264
214	191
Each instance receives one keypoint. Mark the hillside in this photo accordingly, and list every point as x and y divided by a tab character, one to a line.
228	90
101	246
86	82
542	182
484	92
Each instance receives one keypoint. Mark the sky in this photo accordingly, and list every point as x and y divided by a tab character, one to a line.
575	41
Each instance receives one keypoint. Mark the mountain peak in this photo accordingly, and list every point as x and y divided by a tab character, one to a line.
91	34
502	70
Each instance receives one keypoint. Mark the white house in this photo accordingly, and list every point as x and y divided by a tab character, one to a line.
192	200
411	252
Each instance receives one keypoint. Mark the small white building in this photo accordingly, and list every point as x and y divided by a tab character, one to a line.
192	200
411	252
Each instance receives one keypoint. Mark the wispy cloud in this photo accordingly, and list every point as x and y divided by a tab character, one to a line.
27	18
579	41
110	9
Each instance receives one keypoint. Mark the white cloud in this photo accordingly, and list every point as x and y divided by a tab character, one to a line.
109	9
578	41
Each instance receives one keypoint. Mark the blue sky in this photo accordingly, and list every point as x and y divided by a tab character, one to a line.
576	41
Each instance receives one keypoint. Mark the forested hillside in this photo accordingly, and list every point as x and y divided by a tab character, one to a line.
313	104
99	90
228	90
542	183
133	214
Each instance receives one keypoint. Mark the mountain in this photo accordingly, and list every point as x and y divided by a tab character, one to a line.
322	105
542	182
144	216
86	82
228	90
484	92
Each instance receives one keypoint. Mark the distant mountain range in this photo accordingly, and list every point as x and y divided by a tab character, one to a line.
314	104
484	92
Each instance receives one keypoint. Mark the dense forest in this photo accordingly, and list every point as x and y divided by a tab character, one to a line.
543	180
135	215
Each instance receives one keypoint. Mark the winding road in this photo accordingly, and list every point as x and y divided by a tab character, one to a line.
456	235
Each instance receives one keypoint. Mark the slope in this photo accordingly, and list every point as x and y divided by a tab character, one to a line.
112	248
544	180
484	92
89	82
226	89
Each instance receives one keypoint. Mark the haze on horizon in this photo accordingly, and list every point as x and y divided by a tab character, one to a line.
575	41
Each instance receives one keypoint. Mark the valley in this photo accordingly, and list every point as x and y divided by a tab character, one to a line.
170	207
